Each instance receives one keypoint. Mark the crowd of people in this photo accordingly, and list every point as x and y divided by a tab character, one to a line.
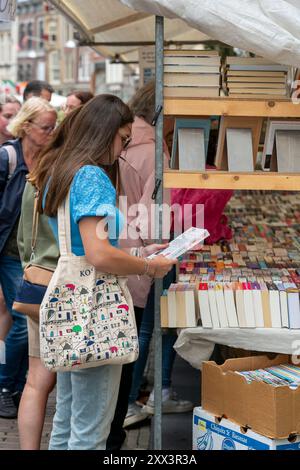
102	149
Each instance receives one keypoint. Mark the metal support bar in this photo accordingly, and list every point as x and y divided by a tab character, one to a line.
159	66
143	43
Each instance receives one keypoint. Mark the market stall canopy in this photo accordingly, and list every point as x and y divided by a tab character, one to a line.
110	21
270	28
8	10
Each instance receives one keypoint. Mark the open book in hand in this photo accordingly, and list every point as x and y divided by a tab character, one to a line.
183	243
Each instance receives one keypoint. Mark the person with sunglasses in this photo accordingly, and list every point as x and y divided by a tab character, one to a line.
32	128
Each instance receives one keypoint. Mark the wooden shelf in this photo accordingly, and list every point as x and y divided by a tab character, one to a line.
224	180
231	107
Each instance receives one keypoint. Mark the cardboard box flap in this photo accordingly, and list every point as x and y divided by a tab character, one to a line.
253	362
212	387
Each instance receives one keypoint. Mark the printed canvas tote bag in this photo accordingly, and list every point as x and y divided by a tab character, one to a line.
86	317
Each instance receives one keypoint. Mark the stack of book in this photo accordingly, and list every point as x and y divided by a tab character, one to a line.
277	376
191	73
179	306
255	77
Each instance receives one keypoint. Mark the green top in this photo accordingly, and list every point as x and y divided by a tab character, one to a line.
46	250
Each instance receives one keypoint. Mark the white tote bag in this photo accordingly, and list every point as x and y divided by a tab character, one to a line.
86	317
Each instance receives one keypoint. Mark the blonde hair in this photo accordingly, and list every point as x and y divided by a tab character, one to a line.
29	111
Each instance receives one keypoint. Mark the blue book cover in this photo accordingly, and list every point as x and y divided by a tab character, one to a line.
184	123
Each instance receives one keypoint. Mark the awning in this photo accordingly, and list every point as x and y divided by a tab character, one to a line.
270	28
111	21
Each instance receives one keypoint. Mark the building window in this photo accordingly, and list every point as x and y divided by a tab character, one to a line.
54	68
69	66
52	31
2	50
41	33
28	75
29	34
21	35
21	73
84	66
9	48
6	48
69	34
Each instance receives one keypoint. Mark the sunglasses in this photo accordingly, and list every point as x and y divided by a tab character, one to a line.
46	129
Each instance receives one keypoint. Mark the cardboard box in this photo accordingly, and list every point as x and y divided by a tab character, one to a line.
271	411
211	433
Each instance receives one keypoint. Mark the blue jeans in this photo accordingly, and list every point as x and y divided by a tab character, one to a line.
13	373
85	407
145	335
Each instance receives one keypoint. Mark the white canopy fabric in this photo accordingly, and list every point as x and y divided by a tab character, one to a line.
270	28
112	21
196	345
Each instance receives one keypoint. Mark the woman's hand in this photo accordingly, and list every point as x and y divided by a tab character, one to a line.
150	249
160	266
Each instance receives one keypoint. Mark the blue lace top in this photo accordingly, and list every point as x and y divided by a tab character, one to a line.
92	195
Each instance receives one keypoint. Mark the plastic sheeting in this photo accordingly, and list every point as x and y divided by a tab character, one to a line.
197	344
270	28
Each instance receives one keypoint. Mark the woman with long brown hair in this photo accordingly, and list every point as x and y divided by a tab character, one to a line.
86	398
40	381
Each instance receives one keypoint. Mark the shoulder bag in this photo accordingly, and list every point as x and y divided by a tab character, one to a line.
87	317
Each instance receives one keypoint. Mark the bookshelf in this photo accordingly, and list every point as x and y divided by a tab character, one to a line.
283	108
225	180
227	106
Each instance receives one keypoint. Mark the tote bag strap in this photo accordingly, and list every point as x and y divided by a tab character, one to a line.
35	224
64	227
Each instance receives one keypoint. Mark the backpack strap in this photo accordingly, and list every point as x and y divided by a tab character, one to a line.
12	159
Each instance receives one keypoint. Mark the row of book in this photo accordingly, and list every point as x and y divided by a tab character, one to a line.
198	73
191	73
238	144
255	77
276	376
203	263
283	260
231	305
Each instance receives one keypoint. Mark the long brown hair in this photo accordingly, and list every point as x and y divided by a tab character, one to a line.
88	141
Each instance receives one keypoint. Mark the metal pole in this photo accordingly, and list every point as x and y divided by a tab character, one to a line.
159	53
83	42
